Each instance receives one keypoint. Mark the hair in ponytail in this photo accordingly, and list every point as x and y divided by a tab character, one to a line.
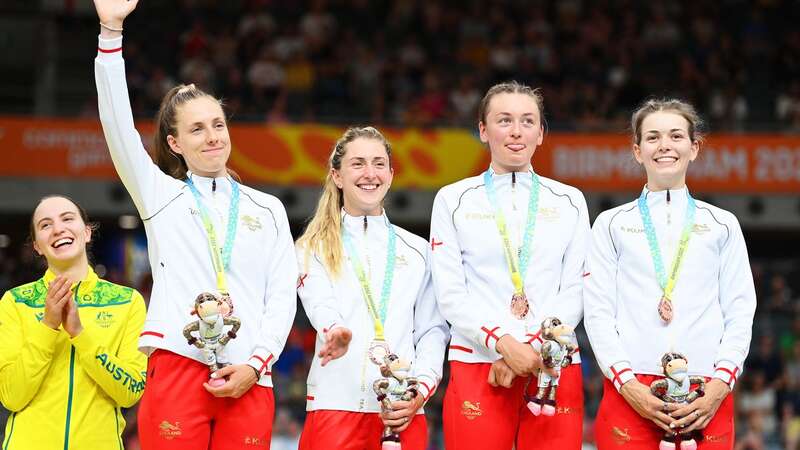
323	235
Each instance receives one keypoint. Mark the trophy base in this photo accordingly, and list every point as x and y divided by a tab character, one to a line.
216	382
390	446
535	408
664	445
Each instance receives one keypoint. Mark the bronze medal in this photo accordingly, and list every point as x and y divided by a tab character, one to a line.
227	304
519	305
665	310
377	350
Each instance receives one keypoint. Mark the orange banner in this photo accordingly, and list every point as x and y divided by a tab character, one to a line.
423	159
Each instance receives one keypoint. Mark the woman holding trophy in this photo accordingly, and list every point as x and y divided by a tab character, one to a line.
669	300
508	252
365	285
217	249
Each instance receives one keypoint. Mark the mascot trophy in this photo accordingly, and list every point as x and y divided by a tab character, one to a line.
213	314
394	385
556	351
676	388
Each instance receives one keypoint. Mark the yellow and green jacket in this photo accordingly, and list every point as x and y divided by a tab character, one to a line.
66	393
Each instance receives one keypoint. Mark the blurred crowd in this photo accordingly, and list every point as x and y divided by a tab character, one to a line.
415	62
767	395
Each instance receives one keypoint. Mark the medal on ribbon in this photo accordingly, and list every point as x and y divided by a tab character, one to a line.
519	305
215	311
378	348
220	257
517	265
665	307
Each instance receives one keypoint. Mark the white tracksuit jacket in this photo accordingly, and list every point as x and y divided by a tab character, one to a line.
414	329
470	275
713	301
263	269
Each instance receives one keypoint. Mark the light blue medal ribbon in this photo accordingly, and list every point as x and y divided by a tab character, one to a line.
517	266
220	258
378	312
667	284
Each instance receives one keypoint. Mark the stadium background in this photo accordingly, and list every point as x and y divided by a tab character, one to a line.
294	73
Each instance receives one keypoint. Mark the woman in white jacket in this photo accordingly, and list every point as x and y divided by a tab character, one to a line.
206	233
508	248
668	273
365	286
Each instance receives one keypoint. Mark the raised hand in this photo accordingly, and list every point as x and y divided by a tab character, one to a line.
58	295
113	12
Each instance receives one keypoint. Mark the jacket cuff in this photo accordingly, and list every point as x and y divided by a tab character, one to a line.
332	326
45	337
490	335
620	373
426	387
109	49
261	363
84	342
535	340
727	372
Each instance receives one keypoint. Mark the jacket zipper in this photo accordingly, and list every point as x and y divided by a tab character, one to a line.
514	191
670	236
71	380
669	215
11	431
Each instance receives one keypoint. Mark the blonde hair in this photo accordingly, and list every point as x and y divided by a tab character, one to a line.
684	109
323	235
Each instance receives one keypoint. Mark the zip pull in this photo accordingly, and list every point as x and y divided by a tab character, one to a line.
213	185
514	191
365	224
669	212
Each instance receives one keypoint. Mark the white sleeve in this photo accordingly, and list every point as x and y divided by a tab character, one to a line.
569	305
600	305
145	182
430	337
471	317
315	289
737	299
281	296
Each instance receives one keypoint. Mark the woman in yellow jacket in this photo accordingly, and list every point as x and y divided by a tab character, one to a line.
68	353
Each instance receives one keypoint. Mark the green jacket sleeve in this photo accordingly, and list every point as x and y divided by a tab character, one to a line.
120	374
25	356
